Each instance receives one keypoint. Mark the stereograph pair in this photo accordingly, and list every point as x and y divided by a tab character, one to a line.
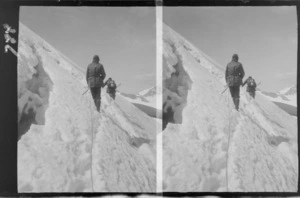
98	111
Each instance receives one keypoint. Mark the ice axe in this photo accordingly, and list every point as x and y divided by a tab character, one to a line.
85	91
224	89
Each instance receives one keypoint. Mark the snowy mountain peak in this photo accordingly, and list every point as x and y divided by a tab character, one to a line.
147	101
174	39
286	99
289	91
149	92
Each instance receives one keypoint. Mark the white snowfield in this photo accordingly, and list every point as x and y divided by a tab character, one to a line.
286	99
151	95
290	93
285	96
217	148
146	97
68	146
146	101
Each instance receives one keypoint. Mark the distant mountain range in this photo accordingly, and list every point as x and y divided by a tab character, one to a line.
146	101
286	99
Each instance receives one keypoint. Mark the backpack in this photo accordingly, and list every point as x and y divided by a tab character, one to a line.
112	85
251	82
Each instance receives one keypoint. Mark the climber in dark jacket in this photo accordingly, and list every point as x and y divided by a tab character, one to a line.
111	87
234	75
251	86
95	75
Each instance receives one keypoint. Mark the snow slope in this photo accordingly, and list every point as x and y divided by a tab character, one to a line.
64	144
290	92
146	101
213	147
285	99
151	94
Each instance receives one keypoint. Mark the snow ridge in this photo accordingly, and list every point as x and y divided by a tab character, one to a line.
208	62
216	148
77	149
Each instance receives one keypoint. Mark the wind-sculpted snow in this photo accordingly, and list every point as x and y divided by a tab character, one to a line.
75	148
122	142
216	148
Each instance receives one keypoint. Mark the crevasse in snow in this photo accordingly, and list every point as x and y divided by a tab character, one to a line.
216	148
64	144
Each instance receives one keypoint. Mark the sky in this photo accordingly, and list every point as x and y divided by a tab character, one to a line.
265	38
123	37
